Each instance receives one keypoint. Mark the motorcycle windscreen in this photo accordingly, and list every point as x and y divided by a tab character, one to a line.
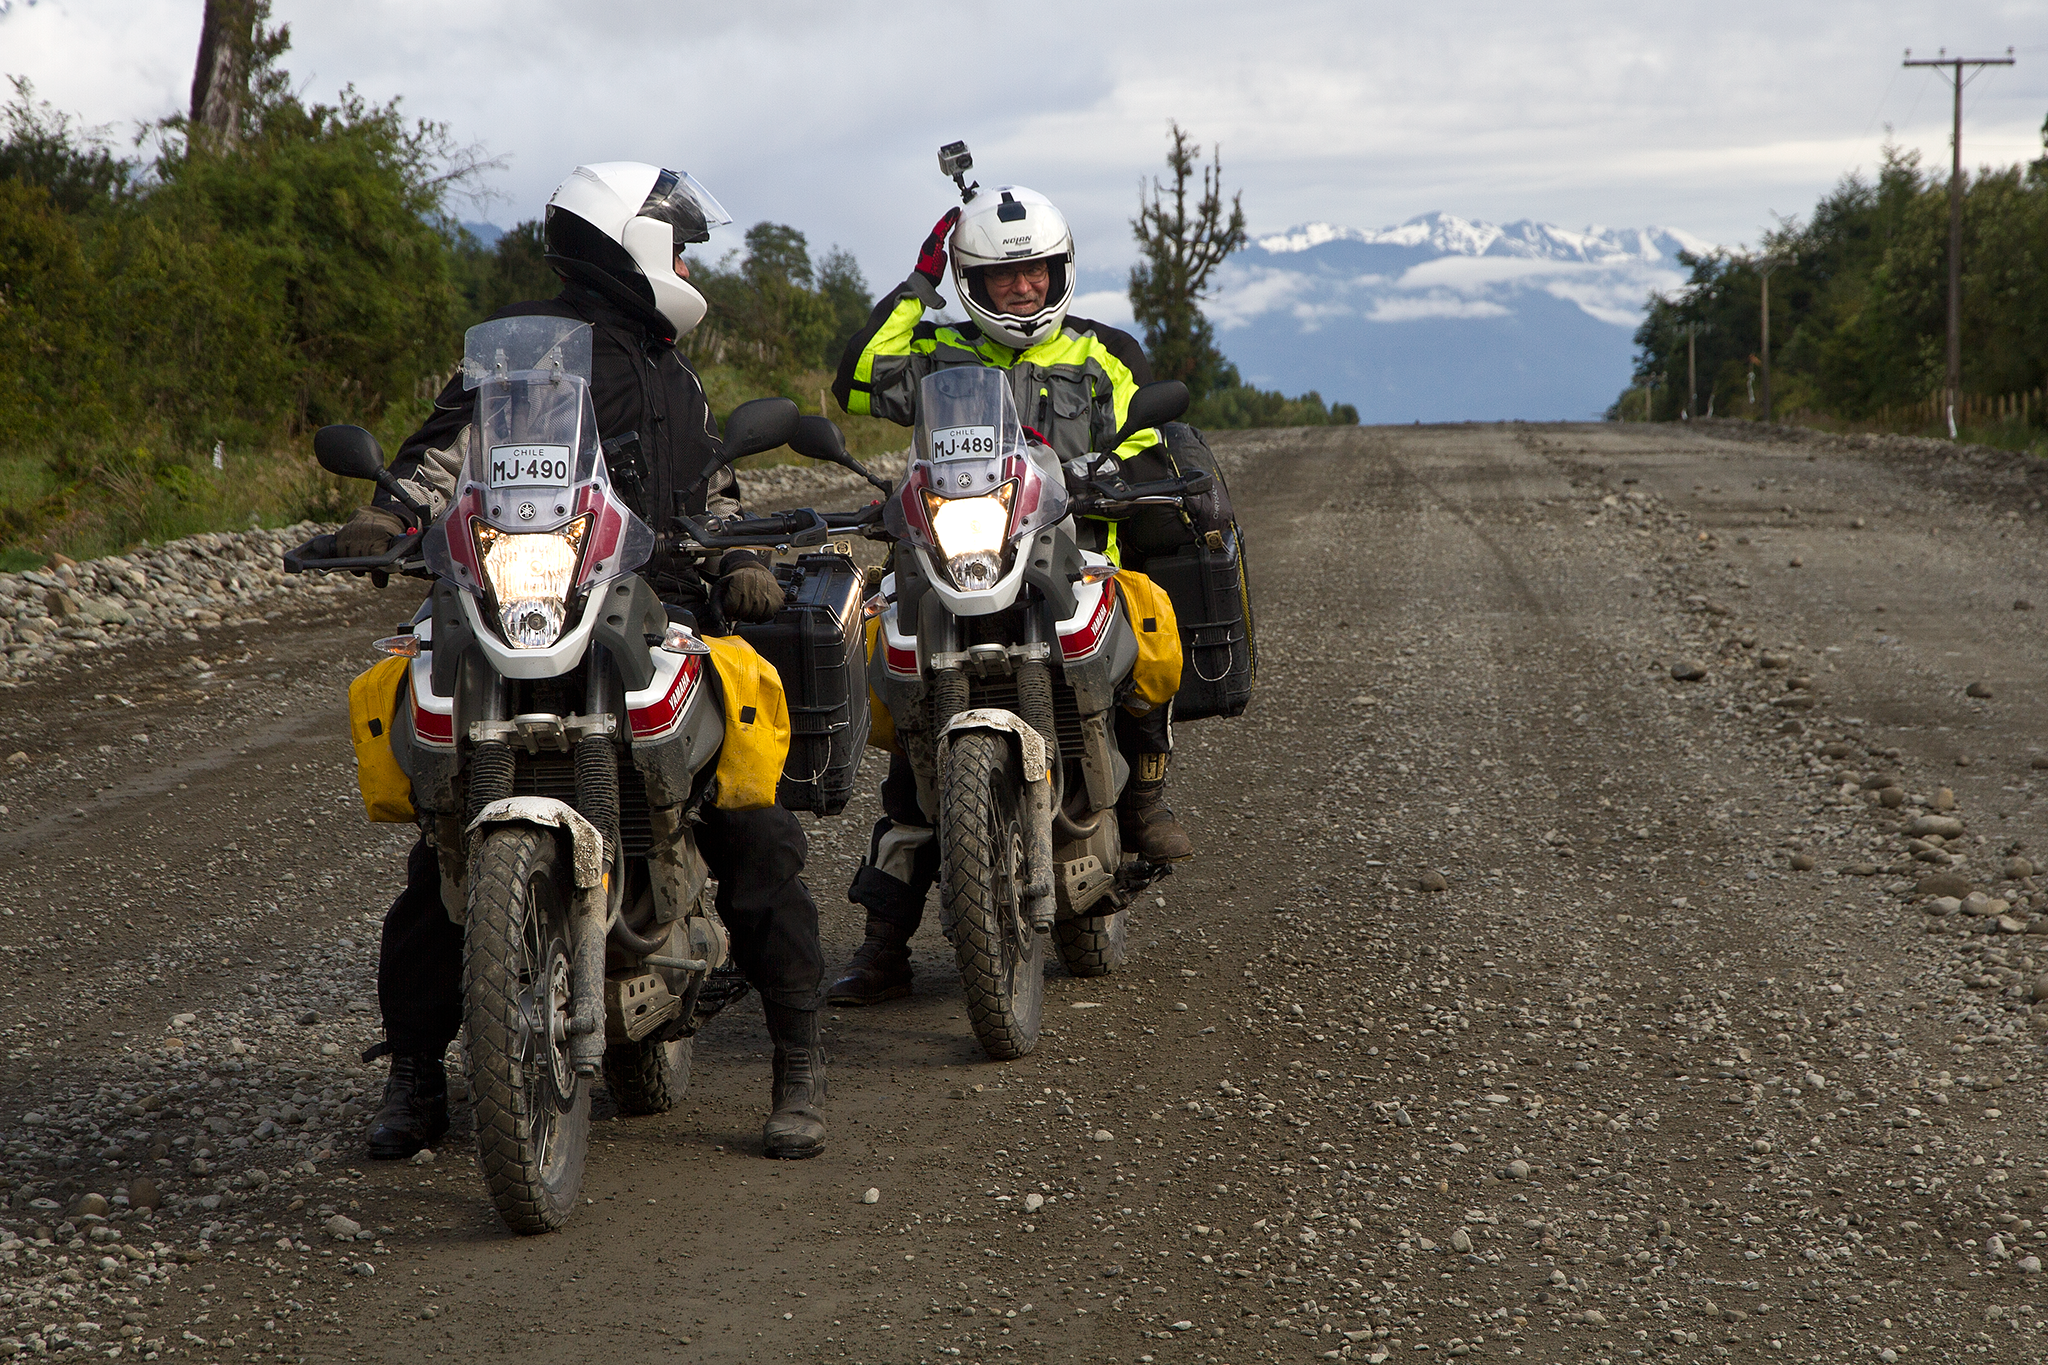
969	443
534	463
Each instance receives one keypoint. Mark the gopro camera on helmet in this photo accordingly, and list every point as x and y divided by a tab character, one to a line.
955	160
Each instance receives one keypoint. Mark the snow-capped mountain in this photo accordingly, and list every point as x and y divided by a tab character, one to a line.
1442	318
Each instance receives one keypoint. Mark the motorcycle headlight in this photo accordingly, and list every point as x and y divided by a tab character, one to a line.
530	575
973	535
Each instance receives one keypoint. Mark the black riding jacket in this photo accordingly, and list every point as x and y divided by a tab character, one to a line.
638	383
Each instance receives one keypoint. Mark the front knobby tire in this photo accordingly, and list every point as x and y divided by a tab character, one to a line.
1093	945
1002	959
532	1110
648	1077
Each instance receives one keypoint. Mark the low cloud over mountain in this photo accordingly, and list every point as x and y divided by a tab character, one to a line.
1443	319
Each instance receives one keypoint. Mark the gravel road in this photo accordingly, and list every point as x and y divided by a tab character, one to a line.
1613	939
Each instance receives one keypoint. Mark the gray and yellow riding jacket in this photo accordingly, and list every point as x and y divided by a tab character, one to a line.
1074	388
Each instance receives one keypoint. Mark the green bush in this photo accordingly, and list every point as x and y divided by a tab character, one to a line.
1241	405
154	310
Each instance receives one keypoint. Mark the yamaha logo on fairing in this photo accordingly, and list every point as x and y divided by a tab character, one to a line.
527	511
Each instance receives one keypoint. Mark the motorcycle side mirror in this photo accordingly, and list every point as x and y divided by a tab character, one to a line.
349	452
819	438
757	425
1151	406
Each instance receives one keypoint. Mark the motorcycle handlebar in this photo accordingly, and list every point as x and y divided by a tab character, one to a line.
801	526
1104	493
317	556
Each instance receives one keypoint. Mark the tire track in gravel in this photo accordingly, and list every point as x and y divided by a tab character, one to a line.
1631	1088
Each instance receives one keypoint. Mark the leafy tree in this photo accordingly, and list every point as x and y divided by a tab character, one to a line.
1859	315
45	147
772	314
511	270
1179	250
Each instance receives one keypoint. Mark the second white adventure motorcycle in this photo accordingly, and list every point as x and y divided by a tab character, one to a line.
1003	652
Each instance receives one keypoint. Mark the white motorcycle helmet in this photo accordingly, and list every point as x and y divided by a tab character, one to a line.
621	224
1010	225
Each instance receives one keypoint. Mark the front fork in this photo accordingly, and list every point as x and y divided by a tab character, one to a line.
1035	708
492	766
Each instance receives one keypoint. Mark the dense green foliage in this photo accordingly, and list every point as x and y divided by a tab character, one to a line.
172	326
773	314
153	310
1859	315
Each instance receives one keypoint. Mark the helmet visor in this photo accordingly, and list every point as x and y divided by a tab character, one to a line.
686	206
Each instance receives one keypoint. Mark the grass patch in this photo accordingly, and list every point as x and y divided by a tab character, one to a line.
124	499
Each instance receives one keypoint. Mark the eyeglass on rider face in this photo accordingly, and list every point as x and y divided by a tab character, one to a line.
1028	272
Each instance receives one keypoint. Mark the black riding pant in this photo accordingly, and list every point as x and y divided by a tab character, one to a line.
757	857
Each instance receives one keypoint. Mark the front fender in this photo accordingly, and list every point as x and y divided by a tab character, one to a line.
591	917
1037	774
587	845
1030	744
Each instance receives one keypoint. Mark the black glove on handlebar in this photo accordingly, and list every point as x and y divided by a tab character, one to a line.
749	591
369	533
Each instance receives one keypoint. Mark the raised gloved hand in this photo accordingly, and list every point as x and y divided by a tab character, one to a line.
749	592
369	532
931	260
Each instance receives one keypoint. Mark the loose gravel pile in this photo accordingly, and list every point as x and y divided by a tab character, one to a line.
150	595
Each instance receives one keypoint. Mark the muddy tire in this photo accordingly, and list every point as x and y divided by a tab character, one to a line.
648	1077
1092	945
1002	960
532	1110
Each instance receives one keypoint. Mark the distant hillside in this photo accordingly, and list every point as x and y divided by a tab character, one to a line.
1444	319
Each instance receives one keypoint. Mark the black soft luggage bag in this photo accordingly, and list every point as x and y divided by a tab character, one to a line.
1212	600
818	646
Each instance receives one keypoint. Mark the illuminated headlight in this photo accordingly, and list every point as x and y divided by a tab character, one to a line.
972	535
530	575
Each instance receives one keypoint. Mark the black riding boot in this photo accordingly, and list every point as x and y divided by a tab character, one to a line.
880	969
415	1111
795	1129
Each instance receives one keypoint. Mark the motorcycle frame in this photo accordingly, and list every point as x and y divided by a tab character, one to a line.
665	732
1072	846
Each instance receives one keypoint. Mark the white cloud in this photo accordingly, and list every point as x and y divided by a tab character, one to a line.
826	115
1413	309
1111	306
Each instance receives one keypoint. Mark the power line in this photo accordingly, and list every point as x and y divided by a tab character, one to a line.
1955	211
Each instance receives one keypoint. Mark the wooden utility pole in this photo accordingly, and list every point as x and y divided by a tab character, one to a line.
1692	372
1954	73
1765	265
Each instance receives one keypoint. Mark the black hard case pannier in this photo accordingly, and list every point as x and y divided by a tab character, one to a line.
817	644
1195	552
1212	601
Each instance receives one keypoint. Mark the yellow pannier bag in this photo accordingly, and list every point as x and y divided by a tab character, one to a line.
881	724
1157	675
373	701
756	725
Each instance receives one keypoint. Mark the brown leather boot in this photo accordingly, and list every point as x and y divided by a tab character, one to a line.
1145	820
795	1129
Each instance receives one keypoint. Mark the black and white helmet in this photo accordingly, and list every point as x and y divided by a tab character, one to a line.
621	224
1011	225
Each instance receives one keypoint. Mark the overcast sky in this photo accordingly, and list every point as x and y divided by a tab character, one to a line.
1709	118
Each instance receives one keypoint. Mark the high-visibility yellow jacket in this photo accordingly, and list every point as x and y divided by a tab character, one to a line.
1074	388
